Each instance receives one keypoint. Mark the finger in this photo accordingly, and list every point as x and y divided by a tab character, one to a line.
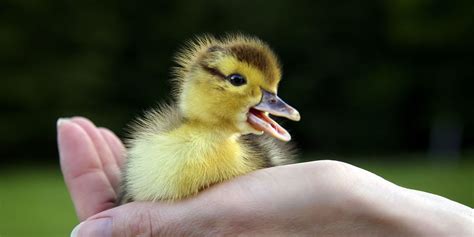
115	145
146	219
109	163
88	185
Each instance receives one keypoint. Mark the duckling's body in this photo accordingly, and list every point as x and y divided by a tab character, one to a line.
207	136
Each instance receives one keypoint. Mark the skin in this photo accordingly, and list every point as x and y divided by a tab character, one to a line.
323	198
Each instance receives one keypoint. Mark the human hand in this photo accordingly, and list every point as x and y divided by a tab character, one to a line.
324	198
91	159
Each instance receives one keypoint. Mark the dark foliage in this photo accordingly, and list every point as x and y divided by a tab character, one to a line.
367	77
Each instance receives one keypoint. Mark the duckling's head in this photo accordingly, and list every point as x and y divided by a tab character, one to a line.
231	84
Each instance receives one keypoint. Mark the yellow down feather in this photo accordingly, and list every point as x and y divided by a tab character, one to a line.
177	150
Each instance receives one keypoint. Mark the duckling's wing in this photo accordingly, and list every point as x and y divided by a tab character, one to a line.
270	151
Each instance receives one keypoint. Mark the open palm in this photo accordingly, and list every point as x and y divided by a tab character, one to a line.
324	198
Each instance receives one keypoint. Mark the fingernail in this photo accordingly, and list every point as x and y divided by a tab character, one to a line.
61	120
94	228
76	229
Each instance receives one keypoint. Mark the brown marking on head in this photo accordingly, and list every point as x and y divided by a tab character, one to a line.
209	56
215	48
213	71
260	58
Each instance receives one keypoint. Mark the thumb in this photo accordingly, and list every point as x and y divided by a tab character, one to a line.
144	219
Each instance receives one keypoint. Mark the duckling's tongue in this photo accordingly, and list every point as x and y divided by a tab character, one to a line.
262	122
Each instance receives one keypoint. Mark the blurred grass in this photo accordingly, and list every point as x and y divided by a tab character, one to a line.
34	200
451	180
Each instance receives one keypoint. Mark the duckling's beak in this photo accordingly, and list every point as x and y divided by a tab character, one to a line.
272	104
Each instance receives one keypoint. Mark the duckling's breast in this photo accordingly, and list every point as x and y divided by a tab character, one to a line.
181	162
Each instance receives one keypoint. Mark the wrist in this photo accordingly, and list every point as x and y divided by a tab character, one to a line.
404	212
432	215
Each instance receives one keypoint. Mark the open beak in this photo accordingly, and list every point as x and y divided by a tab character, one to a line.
259	117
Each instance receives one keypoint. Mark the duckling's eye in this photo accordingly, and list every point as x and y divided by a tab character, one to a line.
236	79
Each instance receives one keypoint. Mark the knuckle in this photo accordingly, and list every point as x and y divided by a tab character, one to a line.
334	167
136	221
142	224
338	175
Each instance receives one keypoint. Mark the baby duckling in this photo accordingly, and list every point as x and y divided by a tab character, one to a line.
225	90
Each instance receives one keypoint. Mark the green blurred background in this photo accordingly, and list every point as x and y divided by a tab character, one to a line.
385	85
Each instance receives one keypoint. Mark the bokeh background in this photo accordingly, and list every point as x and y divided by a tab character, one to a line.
384	85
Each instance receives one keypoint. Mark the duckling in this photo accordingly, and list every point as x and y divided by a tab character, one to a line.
218	127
